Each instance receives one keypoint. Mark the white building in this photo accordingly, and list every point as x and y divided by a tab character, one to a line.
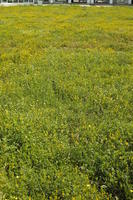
91	2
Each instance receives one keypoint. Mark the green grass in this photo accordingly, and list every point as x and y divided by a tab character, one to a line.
66	103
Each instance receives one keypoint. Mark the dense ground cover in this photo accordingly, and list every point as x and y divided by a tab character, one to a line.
66	102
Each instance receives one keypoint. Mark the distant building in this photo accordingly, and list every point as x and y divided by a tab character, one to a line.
90	2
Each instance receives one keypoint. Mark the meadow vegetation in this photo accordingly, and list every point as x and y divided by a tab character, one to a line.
66	103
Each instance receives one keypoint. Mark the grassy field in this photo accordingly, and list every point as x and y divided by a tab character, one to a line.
66	103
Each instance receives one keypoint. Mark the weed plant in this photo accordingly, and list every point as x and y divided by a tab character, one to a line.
66	103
